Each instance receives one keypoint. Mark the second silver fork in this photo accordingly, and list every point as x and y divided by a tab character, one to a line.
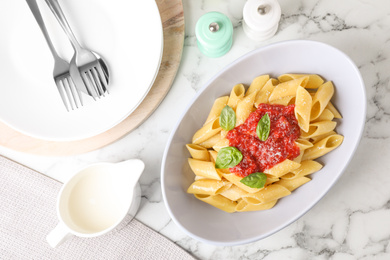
85	64
69	93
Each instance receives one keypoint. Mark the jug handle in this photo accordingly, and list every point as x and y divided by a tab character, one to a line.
58	235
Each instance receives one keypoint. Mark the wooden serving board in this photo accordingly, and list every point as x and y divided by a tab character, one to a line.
172	16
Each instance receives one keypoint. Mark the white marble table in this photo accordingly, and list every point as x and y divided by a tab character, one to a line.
353	220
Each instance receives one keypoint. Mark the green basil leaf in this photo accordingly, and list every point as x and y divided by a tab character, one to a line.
263	127
227	119
255	180
228	157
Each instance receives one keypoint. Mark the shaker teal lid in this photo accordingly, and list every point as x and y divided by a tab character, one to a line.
214	34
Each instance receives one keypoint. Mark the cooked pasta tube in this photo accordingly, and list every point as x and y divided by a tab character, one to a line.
319	128
234	193
257	84
218	201
221	144
282	168
198	152
326	115
270	193
208	187
213	155
288	88
204	169
213	158
243	206
244	108
314	80
284	101
292	184
266	91
207	131
197	178
211	141
298	159
321	99
303	144
307	167
302	108
216	109
332	109
271	179
236	181
224	133
323	147
236	95
314	113
315	139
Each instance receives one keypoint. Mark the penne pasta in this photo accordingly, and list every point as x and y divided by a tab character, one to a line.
270	193
234	193
334	111
319	128
216	109
321	99
213	155
243	206
207	131
293	112
198	152
326	115
288	88
236	95
303	144
307	167
224	133
208	187
298	159
257	84
244	108
218	201
204	169
303	108
315	139
282	168
221	144
314	80
265	92
292	184
284	101
209	143
323	147
236	181
200	178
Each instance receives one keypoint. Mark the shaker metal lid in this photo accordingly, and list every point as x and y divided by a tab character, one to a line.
214	34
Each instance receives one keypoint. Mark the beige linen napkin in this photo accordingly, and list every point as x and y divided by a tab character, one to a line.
28	214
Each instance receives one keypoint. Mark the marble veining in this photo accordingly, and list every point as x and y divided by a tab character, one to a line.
353	220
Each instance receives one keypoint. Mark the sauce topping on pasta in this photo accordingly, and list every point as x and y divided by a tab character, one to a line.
261	155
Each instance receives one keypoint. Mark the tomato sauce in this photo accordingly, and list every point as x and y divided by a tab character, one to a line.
261	155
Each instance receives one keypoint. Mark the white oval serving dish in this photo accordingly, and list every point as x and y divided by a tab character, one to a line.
211	225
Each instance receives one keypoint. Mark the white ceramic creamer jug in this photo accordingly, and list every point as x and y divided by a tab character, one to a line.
97	199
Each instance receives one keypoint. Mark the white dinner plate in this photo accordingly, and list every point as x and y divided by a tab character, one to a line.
127	34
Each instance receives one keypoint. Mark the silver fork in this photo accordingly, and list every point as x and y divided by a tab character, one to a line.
70	95
84	62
